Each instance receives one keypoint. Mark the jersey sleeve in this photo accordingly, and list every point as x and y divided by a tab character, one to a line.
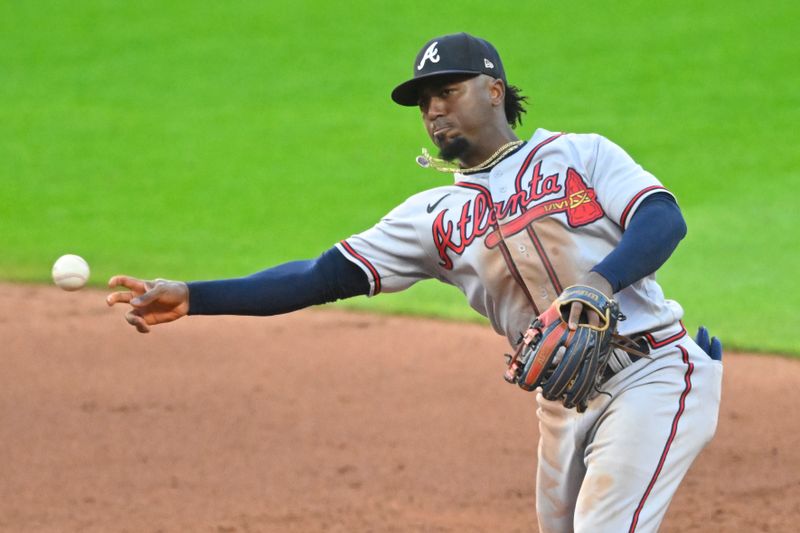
621	184
390	252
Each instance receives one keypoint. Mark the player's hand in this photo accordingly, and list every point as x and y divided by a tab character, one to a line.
153	302
711	345
596	281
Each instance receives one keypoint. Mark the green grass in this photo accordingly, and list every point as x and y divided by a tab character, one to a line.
201	140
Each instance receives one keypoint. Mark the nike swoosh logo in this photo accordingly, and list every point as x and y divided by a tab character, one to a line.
432	207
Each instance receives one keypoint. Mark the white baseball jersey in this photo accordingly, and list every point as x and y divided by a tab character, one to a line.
514	237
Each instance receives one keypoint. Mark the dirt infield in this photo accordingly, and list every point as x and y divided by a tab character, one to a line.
319	421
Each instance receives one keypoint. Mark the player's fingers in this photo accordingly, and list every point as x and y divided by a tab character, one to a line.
703	339
574	315
559	355
716	349
134	284
148	297
137	322
594	319
119	297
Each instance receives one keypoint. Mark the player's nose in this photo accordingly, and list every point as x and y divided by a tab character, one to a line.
434	108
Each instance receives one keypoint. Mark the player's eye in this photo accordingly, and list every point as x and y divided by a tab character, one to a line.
423	104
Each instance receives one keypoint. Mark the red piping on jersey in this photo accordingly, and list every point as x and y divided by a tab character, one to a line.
658	344
366	263
687	378
529	157
551	272
512	267
624	218
476	187
495	237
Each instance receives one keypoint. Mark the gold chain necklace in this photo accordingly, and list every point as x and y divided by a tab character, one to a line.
426	160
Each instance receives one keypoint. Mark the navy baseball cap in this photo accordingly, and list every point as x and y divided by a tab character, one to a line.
457	53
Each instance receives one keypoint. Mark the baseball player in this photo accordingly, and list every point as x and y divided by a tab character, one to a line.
523	220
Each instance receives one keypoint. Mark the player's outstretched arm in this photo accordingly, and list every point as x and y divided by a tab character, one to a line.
277	290
152	302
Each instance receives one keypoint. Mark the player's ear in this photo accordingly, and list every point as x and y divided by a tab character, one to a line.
497	92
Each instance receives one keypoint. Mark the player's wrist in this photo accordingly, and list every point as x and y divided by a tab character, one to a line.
598	281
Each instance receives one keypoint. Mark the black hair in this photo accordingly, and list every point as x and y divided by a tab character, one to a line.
513	105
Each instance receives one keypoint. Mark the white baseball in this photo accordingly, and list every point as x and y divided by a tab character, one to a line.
70	272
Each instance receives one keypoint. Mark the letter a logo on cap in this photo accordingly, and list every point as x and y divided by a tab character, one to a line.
431	53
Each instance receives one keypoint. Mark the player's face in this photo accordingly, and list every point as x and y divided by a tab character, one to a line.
456	110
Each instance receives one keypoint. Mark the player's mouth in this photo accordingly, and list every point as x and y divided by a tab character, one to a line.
441	134
439	127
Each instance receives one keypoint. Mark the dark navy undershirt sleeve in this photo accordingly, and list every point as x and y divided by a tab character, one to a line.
284	288
652	235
